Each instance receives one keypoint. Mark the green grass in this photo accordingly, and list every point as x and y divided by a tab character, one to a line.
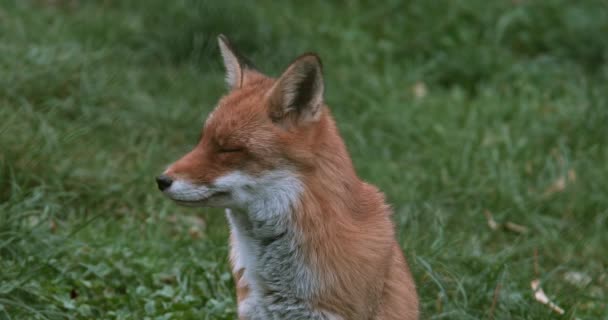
96	97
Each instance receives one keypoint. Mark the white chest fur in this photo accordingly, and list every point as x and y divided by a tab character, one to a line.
265	246
263	237
275	272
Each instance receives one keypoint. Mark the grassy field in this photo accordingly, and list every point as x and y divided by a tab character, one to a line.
458	110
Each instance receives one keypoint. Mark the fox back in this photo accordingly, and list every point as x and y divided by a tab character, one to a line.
309	239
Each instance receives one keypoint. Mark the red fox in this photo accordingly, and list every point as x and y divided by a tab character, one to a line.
309	239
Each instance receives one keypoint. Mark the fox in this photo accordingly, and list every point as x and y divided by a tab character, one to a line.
308	238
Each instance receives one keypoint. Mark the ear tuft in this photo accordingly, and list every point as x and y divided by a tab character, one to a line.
234	63
298	93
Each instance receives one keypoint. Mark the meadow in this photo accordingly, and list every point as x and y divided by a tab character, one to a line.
484	122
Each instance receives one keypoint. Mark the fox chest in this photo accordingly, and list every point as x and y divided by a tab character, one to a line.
266	262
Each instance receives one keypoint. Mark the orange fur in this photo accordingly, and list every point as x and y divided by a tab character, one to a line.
351	238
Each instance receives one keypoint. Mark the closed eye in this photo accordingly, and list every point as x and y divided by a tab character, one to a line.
230	150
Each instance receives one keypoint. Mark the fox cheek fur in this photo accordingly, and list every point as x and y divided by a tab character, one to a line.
309	239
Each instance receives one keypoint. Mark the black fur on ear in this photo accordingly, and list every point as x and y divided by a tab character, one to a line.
298	93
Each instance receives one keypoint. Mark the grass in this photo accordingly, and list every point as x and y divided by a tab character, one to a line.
453	108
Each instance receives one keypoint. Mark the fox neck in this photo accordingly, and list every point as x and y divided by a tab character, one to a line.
332	181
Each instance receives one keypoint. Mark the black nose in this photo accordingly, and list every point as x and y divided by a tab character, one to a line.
163	182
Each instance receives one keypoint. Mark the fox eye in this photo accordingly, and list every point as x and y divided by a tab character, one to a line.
230	149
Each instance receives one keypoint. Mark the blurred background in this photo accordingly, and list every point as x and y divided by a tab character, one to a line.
484	122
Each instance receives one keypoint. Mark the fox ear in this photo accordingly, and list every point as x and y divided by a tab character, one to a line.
235	64
298	94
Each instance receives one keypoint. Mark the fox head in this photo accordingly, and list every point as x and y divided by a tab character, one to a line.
260	139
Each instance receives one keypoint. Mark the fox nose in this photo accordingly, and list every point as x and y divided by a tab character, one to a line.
163	182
